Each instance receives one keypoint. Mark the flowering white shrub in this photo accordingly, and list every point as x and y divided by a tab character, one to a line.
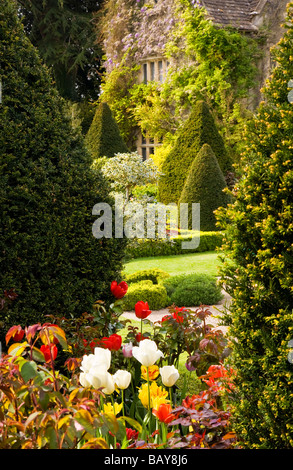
127	170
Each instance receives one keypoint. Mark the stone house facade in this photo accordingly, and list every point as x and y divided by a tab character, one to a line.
251	17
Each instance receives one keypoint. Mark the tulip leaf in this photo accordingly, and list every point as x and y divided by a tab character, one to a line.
132	422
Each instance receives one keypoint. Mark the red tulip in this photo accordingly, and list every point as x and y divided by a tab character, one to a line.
113	343
163	413
142	310
131	434
139	337
48	350
178	318
119	290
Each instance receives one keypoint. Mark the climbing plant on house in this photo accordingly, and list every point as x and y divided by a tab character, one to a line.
217	65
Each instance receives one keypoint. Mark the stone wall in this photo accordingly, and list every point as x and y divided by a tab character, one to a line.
268	18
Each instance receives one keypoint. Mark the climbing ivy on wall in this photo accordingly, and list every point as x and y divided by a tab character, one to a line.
218	65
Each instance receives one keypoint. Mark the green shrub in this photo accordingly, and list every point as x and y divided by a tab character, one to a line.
199	129
191	290
146	247
154	294
204	184
47	193
154	275
149	190
258	241
103	138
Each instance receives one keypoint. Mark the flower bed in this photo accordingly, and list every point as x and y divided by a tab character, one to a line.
115	394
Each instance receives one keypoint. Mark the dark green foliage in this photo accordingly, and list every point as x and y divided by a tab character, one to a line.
192	290
64	33
103	138
257	267
47	191
205	184
199	129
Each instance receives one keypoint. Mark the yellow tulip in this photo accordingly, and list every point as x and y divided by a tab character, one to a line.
109	409
153	372
157	395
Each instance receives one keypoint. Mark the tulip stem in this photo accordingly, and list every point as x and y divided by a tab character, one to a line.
122	399
149	395
149	401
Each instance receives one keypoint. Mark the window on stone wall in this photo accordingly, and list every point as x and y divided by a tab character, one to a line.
160	70
145	73
146	146
153	70
152	76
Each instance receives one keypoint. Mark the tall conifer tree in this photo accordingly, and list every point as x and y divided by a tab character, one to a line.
103	138
205	184
47	193
258	267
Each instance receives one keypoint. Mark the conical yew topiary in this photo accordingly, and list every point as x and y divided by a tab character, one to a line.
103	138
257	267
205	184
47	192
199	129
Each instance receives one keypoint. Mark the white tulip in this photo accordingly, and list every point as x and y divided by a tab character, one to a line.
103	357
169	375
83	380
87	362
110	385
95	371
99	377
122	378
147	352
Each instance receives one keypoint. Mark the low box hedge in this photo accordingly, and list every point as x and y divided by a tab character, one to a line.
154	294
155	275
161	290
146	247
190	290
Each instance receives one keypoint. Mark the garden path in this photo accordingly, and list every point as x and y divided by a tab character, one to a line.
216	310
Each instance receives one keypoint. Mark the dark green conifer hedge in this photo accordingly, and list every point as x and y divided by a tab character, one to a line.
103	138
47	191
258	268
205	185
199	129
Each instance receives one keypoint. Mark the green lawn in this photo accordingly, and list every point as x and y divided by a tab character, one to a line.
206	263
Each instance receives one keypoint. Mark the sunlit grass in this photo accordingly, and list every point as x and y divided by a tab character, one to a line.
205	263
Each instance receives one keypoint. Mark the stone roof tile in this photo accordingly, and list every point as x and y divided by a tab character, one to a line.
235	13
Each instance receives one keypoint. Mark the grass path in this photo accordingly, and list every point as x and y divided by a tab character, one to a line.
205	263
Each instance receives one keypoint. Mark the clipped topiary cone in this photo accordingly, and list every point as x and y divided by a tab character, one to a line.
205	184
199	129
103	138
